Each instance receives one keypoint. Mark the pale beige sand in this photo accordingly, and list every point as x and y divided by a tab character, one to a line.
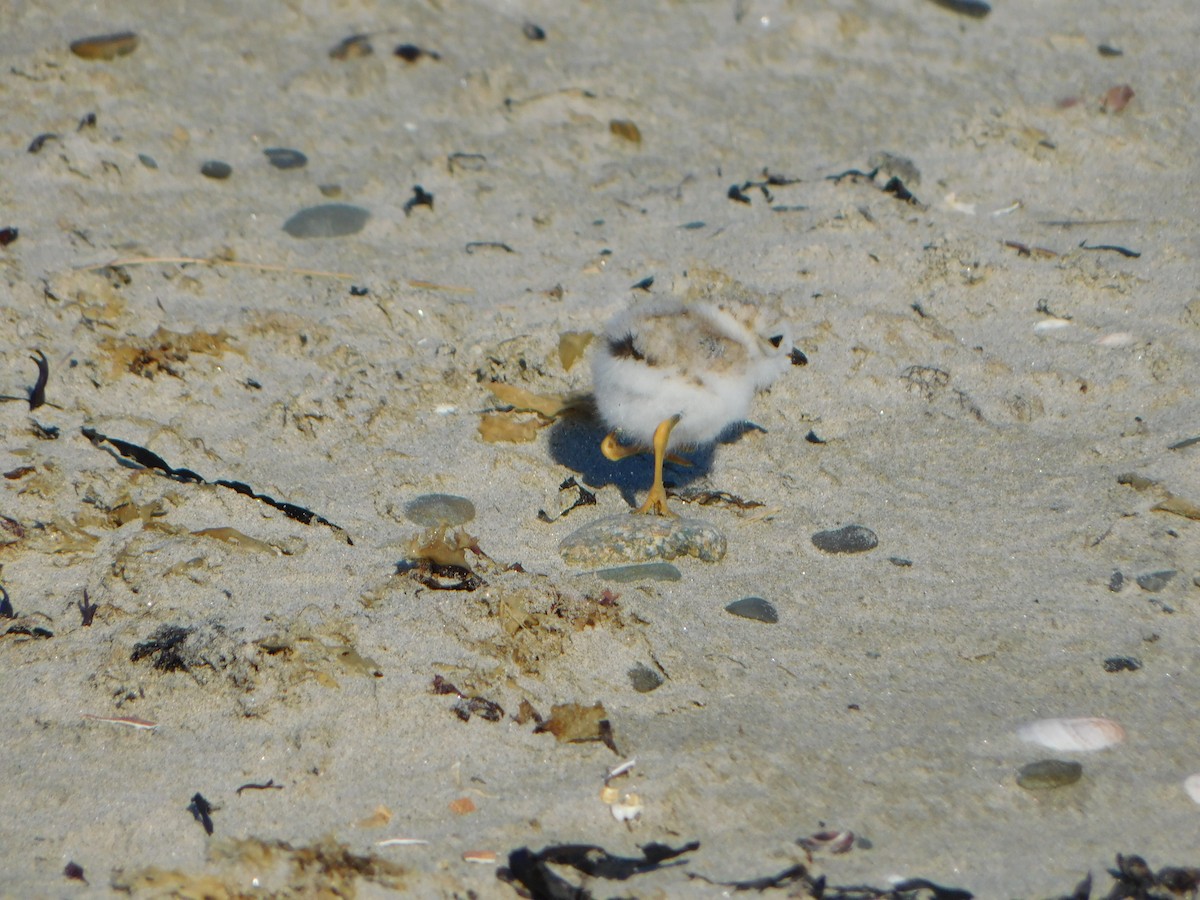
998	481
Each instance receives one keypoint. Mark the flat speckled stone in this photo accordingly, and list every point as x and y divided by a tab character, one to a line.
624	539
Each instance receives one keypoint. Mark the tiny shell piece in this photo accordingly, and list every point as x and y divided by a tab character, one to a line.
1083	734
482	857
1191	785
628	808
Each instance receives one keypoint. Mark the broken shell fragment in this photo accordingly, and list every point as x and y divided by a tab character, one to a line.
1191	786
482	857
1084	734
627	808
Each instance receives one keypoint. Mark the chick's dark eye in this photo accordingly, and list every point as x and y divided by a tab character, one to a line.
775	341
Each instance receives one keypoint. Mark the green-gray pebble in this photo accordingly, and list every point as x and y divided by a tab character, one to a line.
644	679
851	539
215	168
439	510
285	158
633	539
659	571
755	608
327	220
1046	774
1155	581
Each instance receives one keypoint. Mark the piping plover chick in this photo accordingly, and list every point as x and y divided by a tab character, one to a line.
670	375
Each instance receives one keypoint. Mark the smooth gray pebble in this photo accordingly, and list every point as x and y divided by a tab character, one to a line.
644	679
148	161
850	539
285	158
215	168
327	220
1156	581
1046	774
439	510
755	608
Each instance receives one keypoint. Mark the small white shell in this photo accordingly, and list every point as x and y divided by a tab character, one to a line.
1191	786
1115	339
1072	734
627	808
1051	324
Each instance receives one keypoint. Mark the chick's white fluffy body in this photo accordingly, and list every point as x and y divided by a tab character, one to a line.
701	361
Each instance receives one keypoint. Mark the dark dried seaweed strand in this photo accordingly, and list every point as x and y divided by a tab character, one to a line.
471	246
37	394
1124	251
786	877
152	460
269	786
143	457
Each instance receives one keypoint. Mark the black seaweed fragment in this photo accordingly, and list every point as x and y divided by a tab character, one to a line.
163	645
87	609
738	191
440	576
6	607
644	285
420	197
893	186
467	706
36	145
8	234
1135	880
74	871
471	246
410	53
37	394
896	187
1124	251
797	872
269	786
151	460
1122	664
201	811
530	869
585	498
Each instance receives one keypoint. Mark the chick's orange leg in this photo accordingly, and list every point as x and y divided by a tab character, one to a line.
656	500
612	448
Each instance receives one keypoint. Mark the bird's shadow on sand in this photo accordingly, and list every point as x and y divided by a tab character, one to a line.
575	444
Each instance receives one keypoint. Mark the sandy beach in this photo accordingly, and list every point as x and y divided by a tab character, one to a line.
213	428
